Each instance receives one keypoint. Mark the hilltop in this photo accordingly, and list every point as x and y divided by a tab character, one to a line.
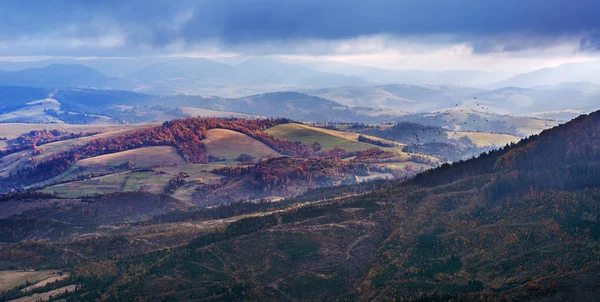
186	159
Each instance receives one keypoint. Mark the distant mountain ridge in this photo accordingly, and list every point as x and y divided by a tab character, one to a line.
571	72
182	75
55	76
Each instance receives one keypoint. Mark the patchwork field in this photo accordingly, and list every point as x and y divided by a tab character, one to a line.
229	145
144	157
124	181
150	169
485	139
151	181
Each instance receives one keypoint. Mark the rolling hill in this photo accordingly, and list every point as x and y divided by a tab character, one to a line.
87	106
205	161
581	97
483	139
229	145
481	120
518	223
309	135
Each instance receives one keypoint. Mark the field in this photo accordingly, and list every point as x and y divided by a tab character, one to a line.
141	157
109	173
124	181
485	139
144	157
327	138
11	279
152	181
352	136
150	169
229	145
43	283
528	126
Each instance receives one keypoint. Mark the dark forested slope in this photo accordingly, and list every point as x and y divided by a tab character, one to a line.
494	223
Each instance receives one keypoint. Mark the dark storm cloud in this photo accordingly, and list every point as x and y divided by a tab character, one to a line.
487	25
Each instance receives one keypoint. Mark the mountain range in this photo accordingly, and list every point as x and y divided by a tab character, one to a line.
183	75
261	71
542	94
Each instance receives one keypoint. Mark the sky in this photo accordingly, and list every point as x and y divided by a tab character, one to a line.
506	35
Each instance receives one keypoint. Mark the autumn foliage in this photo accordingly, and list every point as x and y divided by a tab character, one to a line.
185	134
278	172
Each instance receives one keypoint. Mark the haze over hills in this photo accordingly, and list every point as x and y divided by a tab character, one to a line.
273	74
182	75
196	76
469	78
577	97
401	97
571	72
55	75
92	106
